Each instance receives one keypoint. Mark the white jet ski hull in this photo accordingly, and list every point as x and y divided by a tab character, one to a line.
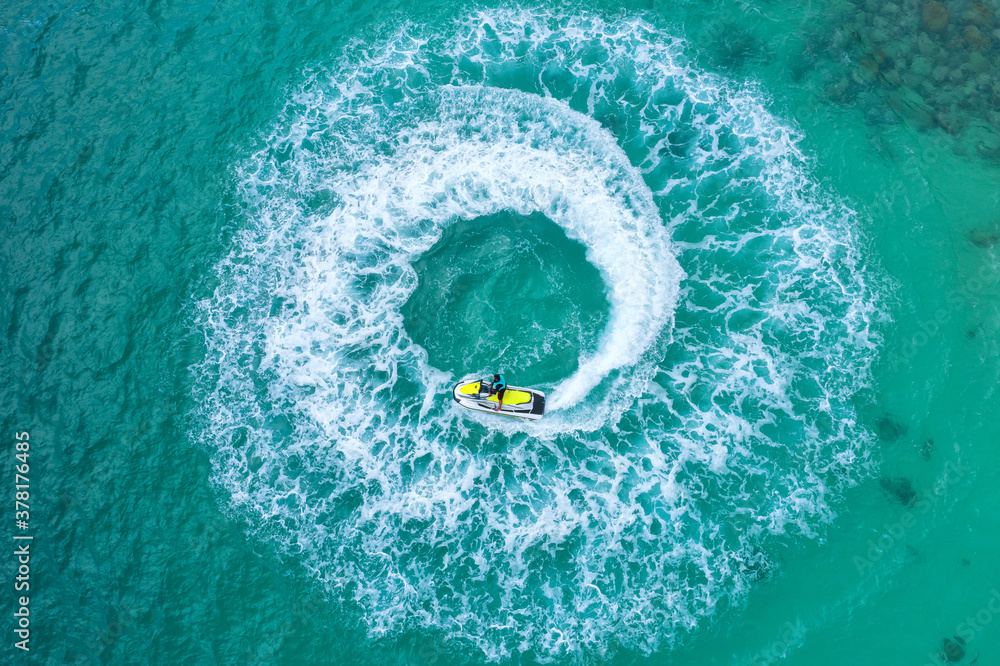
522	403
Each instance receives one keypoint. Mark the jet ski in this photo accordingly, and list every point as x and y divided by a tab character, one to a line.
519	402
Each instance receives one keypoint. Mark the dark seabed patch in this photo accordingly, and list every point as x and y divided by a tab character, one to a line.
889	429
953	649
899	489
985	238
930	64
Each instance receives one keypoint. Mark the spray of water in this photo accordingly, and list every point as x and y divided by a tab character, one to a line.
712	417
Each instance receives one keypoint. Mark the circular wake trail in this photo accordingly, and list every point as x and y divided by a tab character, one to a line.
712	419
488	150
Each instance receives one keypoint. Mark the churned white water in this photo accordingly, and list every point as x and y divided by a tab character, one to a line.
712	419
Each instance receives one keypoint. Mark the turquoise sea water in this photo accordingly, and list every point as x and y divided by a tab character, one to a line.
750	251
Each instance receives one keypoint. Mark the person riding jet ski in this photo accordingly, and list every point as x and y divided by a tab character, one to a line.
499	387
478	395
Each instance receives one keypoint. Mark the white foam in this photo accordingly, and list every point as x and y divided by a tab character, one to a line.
623	517
489	150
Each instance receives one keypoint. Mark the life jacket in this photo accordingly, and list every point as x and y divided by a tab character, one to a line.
500	385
